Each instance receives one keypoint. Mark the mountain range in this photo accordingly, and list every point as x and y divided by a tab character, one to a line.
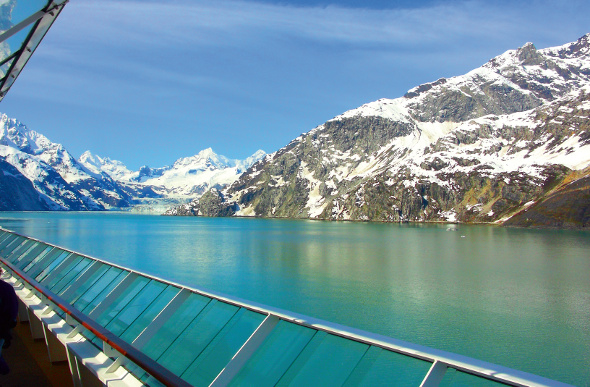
39	175
508	142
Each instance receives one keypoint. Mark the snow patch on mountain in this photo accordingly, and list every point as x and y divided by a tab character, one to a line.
114	168
187	178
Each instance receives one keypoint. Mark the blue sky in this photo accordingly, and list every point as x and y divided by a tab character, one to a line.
148	82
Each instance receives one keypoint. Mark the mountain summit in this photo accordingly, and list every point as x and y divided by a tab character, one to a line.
186	178
39	175
48	177
482	147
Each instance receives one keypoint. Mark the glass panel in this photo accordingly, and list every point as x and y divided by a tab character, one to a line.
454	378
41	262
225	345
16	253
83	288
99	290
135	307
177	323
275	355
38	251
5	67
327	360
22	10
380	367
14	43
52	265
59	271
11	245
121	301
4	237
197	336
70	274
149	314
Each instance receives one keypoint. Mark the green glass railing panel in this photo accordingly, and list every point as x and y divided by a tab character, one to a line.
99	290
41	277
15	254
177	323
197	336
7	238
88	283
327	360
221	350
380	367
149	314
122	301
60	271
30	255
17	249
4	239
275	355
71	273
3	236
11	244
38	264
455	378
142	300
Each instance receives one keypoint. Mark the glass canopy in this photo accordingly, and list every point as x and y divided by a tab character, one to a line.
23	24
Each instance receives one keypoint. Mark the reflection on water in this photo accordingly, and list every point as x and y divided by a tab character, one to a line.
516	297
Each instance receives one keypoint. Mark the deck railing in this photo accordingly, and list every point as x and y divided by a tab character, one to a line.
112	323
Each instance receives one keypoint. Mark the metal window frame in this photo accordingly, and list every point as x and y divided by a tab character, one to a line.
42	20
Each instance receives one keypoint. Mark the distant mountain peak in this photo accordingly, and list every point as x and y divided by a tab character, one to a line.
16	134
207	152
529	55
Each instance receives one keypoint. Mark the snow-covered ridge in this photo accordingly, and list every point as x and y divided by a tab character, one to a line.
60	180
16	135
392	109
114	168
94	182
187	178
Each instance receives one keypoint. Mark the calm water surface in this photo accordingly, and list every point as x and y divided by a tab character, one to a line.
520	298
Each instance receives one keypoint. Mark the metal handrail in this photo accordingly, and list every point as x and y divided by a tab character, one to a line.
162	374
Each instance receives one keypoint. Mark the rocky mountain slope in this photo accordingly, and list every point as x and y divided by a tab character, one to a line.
37	174
479	147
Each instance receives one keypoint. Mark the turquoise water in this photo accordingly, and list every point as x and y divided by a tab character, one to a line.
520	298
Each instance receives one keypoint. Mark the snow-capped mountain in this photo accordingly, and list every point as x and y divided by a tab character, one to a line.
37	174
187	178
480	147
60	182
114	168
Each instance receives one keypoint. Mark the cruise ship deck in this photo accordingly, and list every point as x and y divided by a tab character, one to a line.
30	364
87	322
109	325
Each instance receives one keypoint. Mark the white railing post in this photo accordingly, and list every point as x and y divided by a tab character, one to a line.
435	375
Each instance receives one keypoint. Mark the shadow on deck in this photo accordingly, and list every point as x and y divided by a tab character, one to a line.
29	363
